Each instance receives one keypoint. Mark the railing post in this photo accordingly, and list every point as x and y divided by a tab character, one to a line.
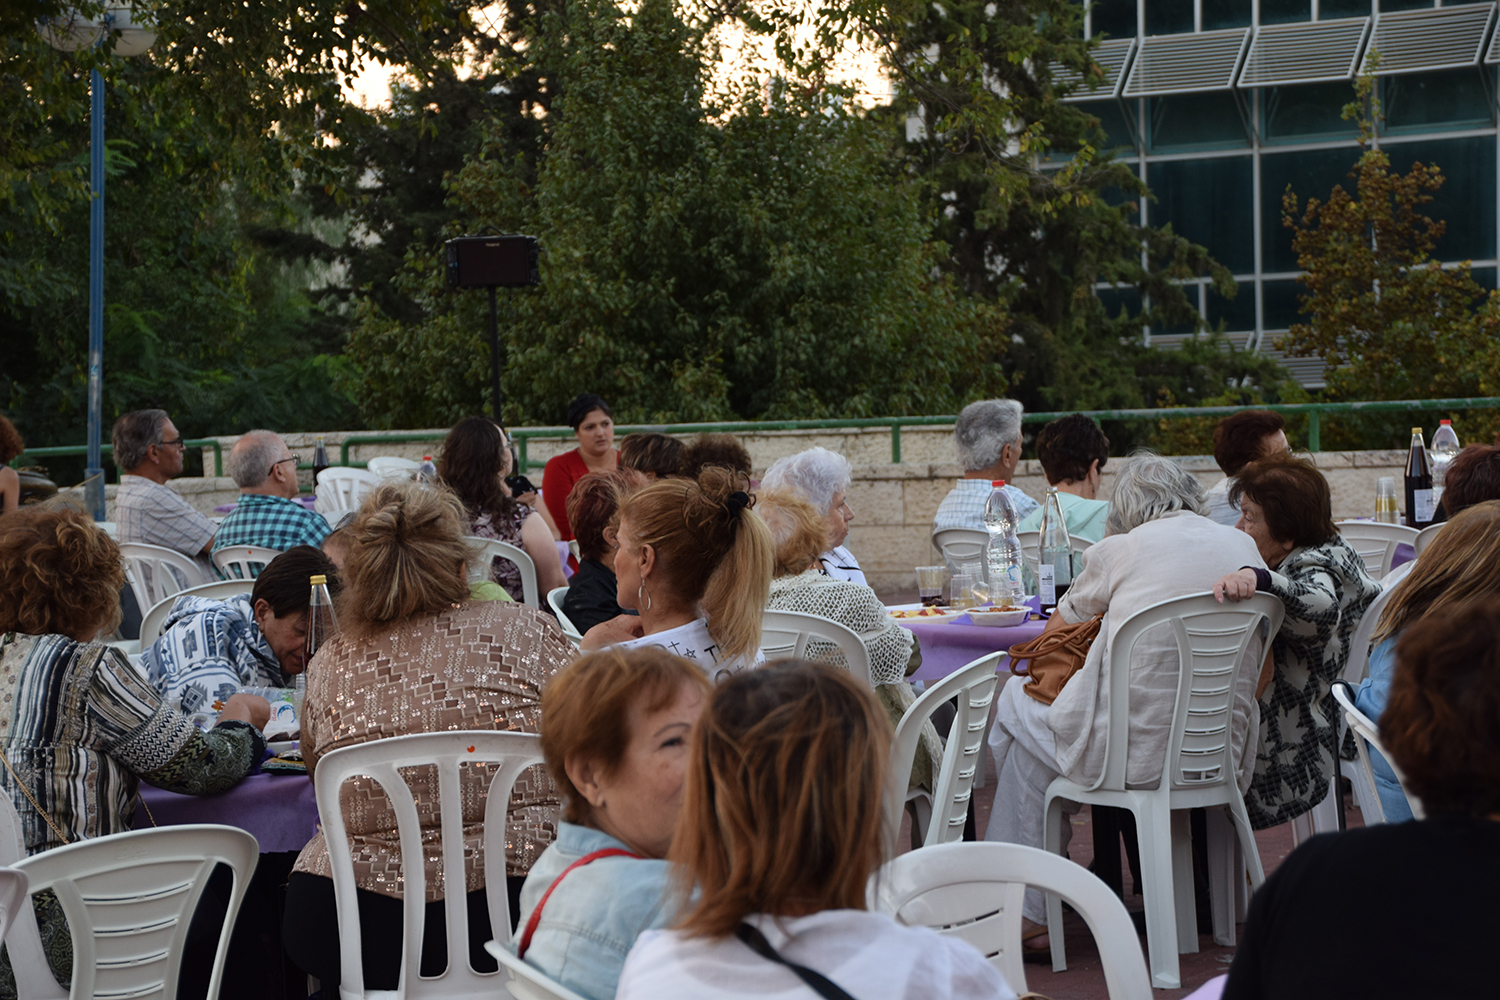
524	461
895	442
1314	430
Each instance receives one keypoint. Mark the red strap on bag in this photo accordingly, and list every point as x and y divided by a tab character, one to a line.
536	914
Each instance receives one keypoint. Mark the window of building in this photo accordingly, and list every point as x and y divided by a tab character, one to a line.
1307	112
1312	173
1115	18
1484	275
1111	115
1237	314
1280	299
1329	10
1466	201
1208	201
1168	17
1186	122
1287	11
1457	98
1226	14
1116	299
1389	6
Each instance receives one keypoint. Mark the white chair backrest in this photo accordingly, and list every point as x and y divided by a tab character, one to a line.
382	760
1031	550
153	620
108	527
488	549
22	939
243	562
13	896
129	898
555	601
156	573
1376	542
974	687
524	982
787	633
1425	536
341	488
1366	735
974	891
1211	641
1359	645
391	467
960	546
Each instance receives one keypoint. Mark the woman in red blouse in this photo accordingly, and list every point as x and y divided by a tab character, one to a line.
594	426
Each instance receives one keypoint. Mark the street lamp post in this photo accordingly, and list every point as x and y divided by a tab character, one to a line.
71	33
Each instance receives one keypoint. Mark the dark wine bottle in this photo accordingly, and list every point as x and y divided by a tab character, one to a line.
320	459
1420	505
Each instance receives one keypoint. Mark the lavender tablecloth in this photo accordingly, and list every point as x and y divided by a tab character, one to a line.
280	810
951	643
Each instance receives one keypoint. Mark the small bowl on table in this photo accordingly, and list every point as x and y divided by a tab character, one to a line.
1006	617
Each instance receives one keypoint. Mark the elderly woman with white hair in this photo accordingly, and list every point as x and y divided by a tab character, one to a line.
1157	508
822	477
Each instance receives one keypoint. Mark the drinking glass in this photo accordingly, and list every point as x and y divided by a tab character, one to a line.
961	591
930	580
1385	500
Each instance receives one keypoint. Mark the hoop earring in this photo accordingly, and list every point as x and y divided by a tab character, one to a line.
638	592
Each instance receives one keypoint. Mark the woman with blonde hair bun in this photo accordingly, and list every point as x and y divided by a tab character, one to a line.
695	561
416	655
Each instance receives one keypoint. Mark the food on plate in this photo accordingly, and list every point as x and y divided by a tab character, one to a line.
921	613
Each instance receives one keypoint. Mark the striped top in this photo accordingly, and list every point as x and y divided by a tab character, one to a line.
79	725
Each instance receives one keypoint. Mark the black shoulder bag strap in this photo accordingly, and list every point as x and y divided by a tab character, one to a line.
821	984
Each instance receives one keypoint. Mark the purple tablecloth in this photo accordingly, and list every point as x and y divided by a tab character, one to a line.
280	810
951	643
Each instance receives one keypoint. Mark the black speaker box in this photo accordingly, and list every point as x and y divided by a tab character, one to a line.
484	261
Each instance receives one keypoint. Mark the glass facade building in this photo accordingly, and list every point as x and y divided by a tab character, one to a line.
1222	105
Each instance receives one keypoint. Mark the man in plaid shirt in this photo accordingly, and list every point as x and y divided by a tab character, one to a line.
148	451
267	515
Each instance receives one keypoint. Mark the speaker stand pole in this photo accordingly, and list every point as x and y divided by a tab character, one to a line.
495	359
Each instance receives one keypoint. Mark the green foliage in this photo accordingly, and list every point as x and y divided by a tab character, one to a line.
756	258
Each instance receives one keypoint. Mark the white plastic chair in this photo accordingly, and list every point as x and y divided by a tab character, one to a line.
1425	536
129	899
555	601
1197	772
153	620
243	562
940	815
960	546
1031	550
391	467
1376	542
22	939
974	891
382	760
341	488
787	634
1366	735
13	896
524	982
156	573
488	549
108	527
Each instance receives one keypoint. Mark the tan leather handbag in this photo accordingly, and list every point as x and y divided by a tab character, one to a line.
1053	657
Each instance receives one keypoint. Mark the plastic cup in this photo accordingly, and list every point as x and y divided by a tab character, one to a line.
961	591
930	580
1386	505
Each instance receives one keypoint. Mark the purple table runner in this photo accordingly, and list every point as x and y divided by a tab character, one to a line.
279	810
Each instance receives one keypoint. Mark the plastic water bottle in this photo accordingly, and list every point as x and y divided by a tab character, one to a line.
322	625
1444	447
1054	572
427	472
1003	553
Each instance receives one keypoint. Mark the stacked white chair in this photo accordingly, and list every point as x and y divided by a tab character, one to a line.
1198	772
1031	550
392	467
554	601
488	549
940	815
382	760
243	562
974	891
1367	736
1376	542
340	489
156	573
153	620
786	634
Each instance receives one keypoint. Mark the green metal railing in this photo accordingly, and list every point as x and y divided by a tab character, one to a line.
523	436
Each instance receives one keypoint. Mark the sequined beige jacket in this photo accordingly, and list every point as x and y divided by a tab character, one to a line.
480	666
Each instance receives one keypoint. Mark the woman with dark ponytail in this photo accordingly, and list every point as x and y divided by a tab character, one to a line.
695	561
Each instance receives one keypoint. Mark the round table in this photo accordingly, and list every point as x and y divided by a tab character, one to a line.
950	643
280	810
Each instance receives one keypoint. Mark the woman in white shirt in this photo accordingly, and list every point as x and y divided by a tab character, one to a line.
695	561
779	832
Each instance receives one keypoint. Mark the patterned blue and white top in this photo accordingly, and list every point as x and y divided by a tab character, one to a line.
209	650
79	725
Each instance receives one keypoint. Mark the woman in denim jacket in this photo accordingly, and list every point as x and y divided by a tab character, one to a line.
615	732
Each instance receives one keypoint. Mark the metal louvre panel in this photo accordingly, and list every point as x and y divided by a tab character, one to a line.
1186	64
1112	56
1493	55
1285	54
1421	40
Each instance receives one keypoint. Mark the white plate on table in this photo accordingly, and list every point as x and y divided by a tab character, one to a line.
946	613
994	618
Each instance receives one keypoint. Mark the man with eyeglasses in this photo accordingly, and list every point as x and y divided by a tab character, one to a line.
268	514
148	450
